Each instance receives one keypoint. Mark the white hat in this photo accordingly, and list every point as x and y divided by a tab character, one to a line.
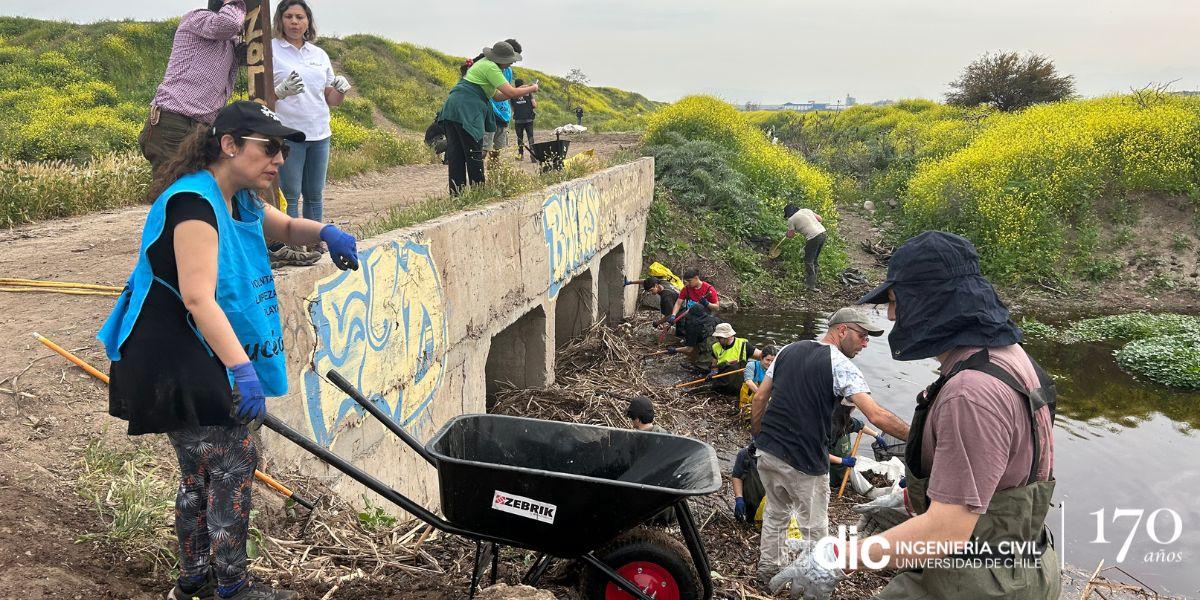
724	330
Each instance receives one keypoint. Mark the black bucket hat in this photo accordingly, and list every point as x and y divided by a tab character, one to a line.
942	300
502	53
245	115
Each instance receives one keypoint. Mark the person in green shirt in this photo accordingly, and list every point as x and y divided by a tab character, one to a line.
467	113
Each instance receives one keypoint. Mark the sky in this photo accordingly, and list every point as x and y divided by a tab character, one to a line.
764	51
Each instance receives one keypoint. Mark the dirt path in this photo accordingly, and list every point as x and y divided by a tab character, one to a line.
50	411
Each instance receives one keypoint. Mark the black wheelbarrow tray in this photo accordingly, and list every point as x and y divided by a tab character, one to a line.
562	490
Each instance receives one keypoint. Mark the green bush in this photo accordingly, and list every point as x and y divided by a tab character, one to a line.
31	191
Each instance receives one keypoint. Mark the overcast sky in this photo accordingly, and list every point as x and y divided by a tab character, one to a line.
767	51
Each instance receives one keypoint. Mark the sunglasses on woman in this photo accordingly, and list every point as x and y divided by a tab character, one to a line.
271	147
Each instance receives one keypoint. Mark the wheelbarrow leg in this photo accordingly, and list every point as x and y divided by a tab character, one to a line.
614	576
691	535
538	570
495	563
481	561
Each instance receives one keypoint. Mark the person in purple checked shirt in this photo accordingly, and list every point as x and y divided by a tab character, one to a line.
199	79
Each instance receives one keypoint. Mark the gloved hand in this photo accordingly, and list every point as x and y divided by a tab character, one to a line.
739	508
290	86
671	351
882	441
809	579
671	320
712	373
252	406
903	482
343	248
341	84
849	462
881	514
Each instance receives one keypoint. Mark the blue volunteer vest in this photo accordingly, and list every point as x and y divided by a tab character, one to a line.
502	107
245	285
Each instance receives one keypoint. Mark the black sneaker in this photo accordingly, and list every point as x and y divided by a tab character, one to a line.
288	256
262	591
208	591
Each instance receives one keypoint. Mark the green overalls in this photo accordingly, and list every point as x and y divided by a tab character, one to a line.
1014	514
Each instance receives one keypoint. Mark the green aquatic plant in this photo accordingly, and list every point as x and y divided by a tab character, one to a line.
1132	326
1171	360
1034	328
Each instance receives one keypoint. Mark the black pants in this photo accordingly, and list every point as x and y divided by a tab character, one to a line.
812	251
464	157
524	130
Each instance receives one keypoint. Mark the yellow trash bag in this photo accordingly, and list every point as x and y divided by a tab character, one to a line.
660	271
586	159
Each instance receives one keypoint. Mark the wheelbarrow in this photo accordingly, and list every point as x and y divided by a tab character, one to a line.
562	490
550	155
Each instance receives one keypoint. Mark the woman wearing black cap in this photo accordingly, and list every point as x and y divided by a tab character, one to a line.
195	339
468	113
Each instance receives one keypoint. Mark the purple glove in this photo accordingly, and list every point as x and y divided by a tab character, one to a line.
252	406
343	248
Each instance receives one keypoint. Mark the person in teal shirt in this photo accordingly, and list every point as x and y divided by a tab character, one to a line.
468	114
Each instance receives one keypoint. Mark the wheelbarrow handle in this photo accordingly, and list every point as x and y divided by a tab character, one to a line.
336	379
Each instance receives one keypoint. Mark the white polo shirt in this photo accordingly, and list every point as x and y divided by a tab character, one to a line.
307	112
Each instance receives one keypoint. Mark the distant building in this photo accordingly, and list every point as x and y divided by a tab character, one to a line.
811	105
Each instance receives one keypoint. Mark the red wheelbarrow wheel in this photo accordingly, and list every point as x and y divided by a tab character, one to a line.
654	561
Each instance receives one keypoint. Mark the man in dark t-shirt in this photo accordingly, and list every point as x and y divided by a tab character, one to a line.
523	116
667	295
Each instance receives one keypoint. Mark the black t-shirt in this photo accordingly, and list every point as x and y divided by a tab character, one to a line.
166	379
522	108
796	425
666	300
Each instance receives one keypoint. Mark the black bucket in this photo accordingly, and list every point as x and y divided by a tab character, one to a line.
550	154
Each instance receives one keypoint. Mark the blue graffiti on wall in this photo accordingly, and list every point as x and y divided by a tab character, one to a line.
383	328
571	220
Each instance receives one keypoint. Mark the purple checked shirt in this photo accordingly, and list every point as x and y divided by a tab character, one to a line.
203	68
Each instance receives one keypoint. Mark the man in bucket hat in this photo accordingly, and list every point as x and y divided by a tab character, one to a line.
730	353
804	384
980	454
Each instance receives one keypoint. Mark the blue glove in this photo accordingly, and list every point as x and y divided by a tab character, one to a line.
882	441
903	482
253	403
711	374
739	508
671	319
343	248
671	351
849	462
687	304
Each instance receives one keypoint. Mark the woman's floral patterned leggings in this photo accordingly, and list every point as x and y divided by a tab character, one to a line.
212	507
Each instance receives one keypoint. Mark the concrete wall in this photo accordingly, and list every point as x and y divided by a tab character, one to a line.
442	312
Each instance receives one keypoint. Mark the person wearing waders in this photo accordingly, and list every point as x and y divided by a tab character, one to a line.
199	79
980	455
467	114
195	338
804	384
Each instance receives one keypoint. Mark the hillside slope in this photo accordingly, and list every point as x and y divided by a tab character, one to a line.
72	92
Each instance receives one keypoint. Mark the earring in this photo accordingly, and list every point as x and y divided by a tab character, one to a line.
231	155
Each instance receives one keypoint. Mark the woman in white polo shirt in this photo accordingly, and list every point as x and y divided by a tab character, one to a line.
305	88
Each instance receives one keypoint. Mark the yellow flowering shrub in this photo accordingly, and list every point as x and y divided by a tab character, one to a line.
1028	176
772	171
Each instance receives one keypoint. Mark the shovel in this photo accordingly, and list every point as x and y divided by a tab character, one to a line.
774	253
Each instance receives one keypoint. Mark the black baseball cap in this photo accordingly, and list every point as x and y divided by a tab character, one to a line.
640	408
251	116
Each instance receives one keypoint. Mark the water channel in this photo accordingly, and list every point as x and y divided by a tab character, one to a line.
1120	444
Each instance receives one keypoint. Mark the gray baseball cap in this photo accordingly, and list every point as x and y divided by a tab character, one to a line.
856	316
